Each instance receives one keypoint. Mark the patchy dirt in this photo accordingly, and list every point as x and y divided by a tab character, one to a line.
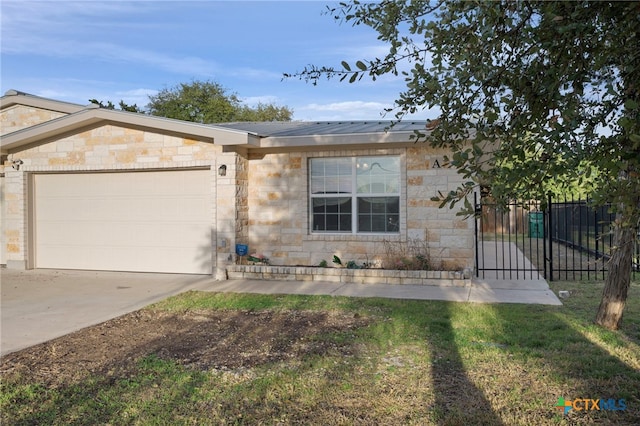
222	340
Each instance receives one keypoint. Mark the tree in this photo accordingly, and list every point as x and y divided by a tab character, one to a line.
209	102
123	106
527	91
264	112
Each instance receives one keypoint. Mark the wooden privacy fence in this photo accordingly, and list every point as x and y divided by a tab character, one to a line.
495	220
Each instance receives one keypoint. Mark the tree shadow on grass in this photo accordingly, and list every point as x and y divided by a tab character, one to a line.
550	356
480	364
509	364
458	400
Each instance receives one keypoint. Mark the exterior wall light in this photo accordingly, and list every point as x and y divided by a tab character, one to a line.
222	170
15	164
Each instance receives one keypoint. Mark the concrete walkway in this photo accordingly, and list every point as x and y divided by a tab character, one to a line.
491	287
480	291
523	286
39	305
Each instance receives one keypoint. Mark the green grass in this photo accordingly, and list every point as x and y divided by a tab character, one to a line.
418	362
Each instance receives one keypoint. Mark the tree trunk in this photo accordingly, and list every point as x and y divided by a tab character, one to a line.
614	295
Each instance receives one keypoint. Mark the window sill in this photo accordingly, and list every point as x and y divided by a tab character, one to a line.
330	236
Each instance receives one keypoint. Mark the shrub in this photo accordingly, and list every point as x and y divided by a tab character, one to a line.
410	255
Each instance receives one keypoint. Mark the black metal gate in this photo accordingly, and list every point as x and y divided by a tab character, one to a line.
567	240
510	242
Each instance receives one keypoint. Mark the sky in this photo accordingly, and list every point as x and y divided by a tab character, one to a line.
113	50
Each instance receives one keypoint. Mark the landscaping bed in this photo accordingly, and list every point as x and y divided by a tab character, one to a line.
353	276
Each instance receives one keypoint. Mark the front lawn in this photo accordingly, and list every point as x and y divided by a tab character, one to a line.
206	358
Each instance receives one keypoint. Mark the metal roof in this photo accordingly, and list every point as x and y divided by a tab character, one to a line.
322	128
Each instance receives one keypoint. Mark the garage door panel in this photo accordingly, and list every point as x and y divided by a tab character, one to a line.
132	221
191	207
155	259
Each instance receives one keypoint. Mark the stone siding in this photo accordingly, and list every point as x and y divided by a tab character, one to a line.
349	276
279	212
105	148
232	211
450	237
262	200
20	117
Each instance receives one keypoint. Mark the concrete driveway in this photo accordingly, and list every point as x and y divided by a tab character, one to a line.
42	304
39	305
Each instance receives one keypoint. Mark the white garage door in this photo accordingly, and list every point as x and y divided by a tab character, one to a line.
133	221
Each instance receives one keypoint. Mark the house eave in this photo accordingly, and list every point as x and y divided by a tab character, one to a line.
14	97
91	117
339	139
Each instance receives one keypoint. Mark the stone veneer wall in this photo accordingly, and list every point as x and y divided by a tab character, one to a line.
279	211
350	276
3	203
262	201
107	147
20	117
450	237
232	210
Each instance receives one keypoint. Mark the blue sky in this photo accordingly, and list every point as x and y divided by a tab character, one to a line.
113	50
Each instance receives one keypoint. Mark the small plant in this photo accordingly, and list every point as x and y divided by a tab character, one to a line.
322	264
258	259
352	265
410	255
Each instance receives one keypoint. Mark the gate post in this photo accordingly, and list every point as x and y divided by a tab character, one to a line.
475	223
550	238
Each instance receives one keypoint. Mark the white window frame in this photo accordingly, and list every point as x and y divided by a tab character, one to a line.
355	195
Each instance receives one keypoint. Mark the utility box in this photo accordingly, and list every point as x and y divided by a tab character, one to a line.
536	224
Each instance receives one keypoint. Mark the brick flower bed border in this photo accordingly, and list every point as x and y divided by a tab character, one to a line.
344	275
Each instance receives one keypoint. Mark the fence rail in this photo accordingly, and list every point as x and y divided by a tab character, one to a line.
568	240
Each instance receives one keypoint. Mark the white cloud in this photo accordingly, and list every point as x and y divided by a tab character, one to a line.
348	110
70	30
138	97
252	73
355	110
253	101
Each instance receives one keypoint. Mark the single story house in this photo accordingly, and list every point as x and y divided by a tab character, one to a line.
89	188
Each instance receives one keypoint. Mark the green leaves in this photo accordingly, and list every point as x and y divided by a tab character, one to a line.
631	104
549	86
209	102
353	75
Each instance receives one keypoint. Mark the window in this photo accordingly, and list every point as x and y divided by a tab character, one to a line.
355	194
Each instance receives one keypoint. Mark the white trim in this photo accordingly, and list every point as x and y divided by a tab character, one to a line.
341	140
94	117
354	195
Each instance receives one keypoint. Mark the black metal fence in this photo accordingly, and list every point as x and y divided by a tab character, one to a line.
584	238
568	240
508	242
